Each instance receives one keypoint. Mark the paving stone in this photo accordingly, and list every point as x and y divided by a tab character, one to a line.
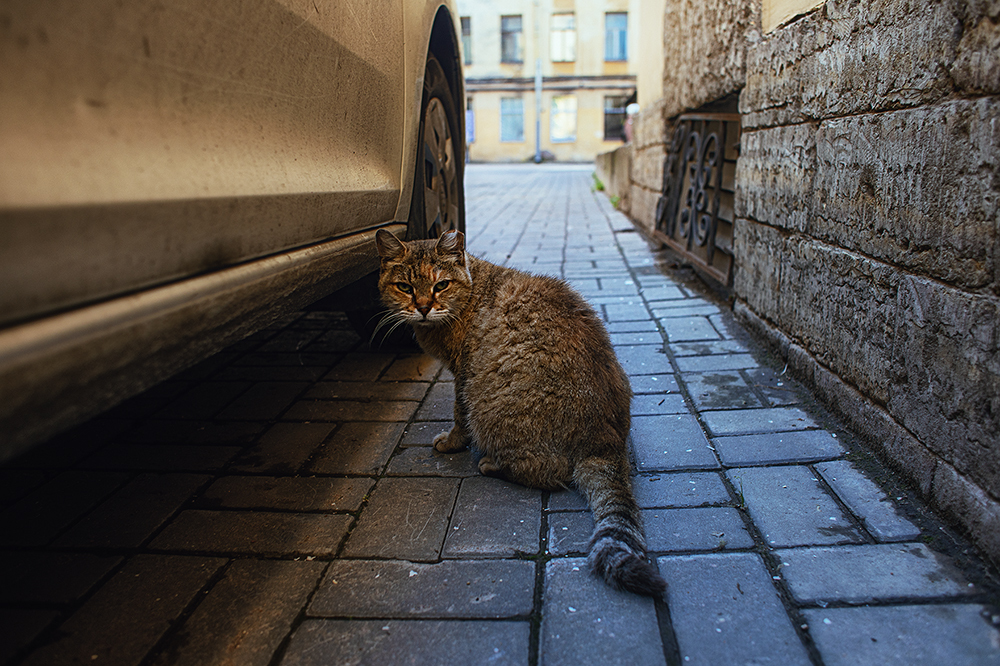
202	401
662	292
679	489
360	366
790	507
42	514
777	389
644	360
663	443
494	518
195	432
46	577
245	617
439	404
750	421
286	493
16	483
688	308
162	457
351	410
643	384
716	363
357	448
635	311
708	348
425	461
19	627
419	368
294	340
283	448
264	401
720	390
130	516
296	359
688	329
653	404
584	621
406	518
368	391
356	642
953	634
275	373
124	619
869	502
636	338
423	434
449	589
725	610
865	573
667	530
777	448
253	533
638	326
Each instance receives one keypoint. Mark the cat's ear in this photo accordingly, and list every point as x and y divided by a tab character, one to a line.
389	247
452	243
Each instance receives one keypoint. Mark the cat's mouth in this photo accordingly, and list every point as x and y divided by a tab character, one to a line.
431	317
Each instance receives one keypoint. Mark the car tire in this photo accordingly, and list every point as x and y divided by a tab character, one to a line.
438	201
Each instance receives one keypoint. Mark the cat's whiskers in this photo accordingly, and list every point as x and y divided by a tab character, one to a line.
393	319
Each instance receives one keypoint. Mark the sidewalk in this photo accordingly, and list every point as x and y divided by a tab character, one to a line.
280	503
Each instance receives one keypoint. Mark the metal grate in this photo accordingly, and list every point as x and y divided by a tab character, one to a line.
694	215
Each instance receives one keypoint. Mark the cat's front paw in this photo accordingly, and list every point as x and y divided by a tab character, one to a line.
450	442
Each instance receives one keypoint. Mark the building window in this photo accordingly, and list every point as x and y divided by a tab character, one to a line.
467	40
616	36
511	119
562	42
614	117
470	122
562	128
511	47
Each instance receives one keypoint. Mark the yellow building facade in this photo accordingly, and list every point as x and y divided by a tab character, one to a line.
583	51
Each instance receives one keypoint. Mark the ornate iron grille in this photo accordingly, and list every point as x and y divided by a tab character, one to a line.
694	215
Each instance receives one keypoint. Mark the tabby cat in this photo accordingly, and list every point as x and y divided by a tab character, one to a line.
538	390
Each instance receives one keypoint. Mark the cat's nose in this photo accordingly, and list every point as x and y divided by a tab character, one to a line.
424	309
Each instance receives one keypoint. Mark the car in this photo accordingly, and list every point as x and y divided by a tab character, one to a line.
178	175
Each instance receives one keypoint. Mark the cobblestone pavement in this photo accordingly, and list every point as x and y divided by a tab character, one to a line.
280	504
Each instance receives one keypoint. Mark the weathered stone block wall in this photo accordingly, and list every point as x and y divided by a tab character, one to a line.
868	229
613	169
648	154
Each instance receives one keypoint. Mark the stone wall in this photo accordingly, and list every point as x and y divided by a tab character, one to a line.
868	226
867	239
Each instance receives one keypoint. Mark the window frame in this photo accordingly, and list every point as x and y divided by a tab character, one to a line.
509	36
466	22
557	116
562	38
508	114
615	36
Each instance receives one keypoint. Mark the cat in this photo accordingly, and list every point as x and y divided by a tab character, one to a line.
538	389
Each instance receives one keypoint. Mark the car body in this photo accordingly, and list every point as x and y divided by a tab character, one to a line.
177	175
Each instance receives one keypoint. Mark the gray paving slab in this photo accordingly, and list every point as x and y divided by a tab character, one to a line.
658	384
450	589
953	634
654	404
46	577
494	518
663	443
286	493
283	448
725	609
162	457
778	448
264	401
406	518
679	490
357	448
439	404
750	421
351	410
689	329
688	308
708	348
864	573
720	390
423	433
776	387
636	338
425	461
360	367
644	360
638	326
635	311
586	622
356	642
124	619
245	617
790	506
384	390
19	627
869	502
263	533
716	363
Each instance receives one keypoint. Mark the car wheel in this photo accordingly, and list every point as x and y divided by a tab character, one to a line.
438	201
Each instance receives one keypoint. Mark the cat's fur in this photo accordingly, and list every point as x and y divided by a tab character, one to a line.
538	389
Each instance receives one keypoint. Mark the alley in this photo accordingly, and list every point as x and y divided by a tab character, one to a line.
280	503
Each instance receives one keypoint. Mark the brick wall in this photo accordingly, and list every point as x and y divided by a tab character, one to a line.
867	240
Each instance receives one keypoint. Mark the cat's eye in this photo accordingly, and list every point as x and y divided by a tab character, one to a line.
442	285
404	287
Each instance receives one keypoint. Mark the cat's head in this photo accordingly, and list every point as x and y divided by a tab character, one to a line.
424	282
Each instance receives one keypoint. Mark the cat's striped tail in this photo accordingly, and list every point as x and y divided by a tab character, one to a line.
618	545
